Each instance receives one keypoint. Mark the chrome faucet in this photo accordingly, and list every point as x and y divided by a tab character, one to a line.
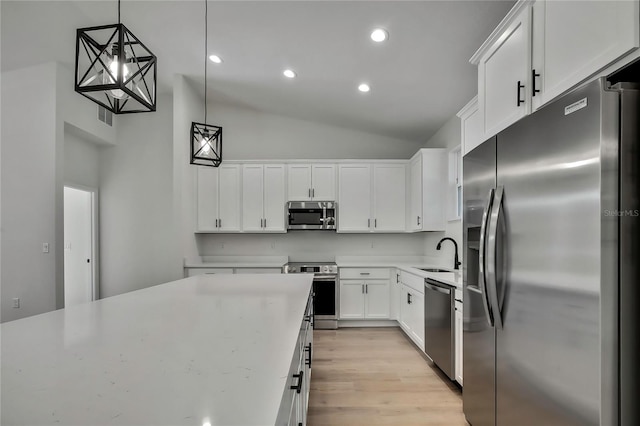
456	262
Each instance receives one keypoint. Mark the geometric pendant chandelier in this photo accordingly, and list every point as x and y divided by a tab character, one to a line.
206	139
115	69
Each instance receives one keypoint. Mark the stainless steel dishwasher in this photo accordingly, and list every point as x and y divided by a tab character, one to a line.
439	317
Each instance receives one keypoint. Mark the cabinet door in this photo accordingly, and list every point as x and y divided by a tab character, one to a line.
354	197
395	296
376	301
299	182
503	72
458	340
252	197
405	310
351	299
472	130
417	318
574	39
206	199
229	197
274	197
434	183
415	218
389	198
323	182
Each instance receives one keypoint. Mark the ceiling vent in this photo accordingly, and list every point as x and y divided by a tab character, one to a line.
105	115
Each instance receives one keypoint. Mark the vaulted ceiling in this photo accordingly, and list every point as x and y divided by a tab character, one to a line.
419	78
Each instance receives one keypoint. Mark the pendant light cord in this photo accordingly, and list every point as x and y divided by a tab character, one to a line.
206	22
118	11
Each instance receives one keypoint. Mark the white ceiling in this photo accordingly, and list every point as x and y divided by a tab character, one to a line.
419	78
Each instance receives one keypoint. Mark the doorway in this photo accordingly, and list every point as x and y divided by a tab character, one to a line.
80	245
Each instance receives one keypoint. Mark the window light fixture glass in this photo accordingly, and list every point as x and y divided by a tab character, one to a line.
206	139
115	69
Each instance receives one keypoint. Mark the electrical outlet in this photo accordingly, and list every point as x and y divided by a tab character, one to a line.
45	247
16	302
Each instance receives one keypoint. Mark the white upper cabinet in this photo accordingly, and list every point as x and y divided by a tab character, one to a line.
218	199
471	126
544	48
428	181
312	182
574	39
323	179
372	198
263	197
389	197
503	75
354	198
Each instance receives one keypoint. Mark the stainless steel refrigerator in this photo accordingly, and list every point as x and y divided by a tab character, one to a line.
550	284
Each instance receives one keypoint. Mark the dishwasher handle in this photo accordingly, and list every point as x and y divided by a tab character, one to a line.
435	286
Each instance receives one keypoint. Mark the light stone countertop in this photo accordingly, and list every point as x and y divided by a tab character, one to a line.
210	348
236	262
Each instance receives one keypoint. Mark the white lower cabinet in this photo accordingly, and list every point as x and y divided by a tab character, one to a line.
411	317
366	297
295	400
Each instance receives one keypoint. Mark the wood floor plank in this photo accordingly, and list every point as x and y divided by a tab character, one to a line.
376	376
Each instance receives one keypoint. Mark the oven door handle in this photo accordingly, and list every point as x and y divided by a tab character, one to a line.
331	278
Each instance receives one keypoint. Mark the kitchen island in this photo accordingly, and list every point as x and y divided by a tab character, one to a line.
210	349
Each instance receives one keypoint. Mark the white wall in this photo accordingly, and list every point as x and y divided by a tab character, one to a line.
251	134
448	136
81	160
30	155
138	231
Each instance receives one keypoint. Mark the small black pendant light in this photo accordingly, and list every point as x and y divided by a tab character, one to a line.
206	139
115	69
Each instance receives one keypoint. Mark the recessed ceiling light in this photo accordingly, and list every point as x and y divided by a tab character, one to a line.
364	87
289	73
379	35
215	59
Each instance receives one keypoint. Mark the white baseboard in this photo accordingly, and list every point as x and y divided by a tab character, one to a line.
367	323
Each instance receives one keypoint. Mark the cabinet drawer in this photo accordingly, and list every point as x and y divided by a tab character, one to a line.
204	271
364	273
413	281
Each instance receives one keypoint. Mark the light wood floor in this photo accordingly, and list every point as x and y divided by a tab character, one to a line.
375	376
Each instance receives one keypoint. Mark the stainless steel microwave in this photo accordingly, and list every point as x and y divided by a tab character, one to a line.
319	215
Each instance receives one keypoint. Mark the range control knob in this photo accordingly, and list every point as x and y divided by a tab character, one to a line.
325	268
292	269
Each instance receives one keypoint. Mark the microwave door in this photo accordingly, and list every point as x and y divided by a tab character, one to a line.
306	218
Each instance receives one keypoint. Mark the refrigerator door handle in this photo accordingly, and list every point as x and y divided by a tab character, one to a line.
482	274
491	257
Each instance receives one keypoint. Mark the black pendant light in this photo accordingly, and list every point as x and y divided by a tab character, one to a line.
115	69
206	139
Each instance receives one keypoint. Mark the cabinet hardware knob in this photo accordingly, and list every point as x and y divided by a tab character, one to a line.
520	87
534	74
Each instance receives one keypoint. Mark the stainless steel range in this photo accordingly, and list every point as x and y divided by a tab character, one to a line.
325	289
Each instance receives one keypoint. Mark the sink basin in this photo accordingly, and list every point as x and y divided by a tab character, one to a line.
434	270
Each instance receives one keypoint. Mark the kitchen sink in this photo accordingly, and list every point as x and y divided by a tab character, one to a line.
434	270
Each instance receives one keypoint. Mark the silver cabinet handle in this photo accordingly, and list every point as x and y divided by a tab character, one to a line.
362	285
418	220
366	288
375	223
219	223
368	223
265	222
216	223
365	273
313	192
309	192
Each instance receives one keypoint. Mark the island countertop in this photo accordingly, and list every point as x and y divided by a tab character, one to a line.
207	349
